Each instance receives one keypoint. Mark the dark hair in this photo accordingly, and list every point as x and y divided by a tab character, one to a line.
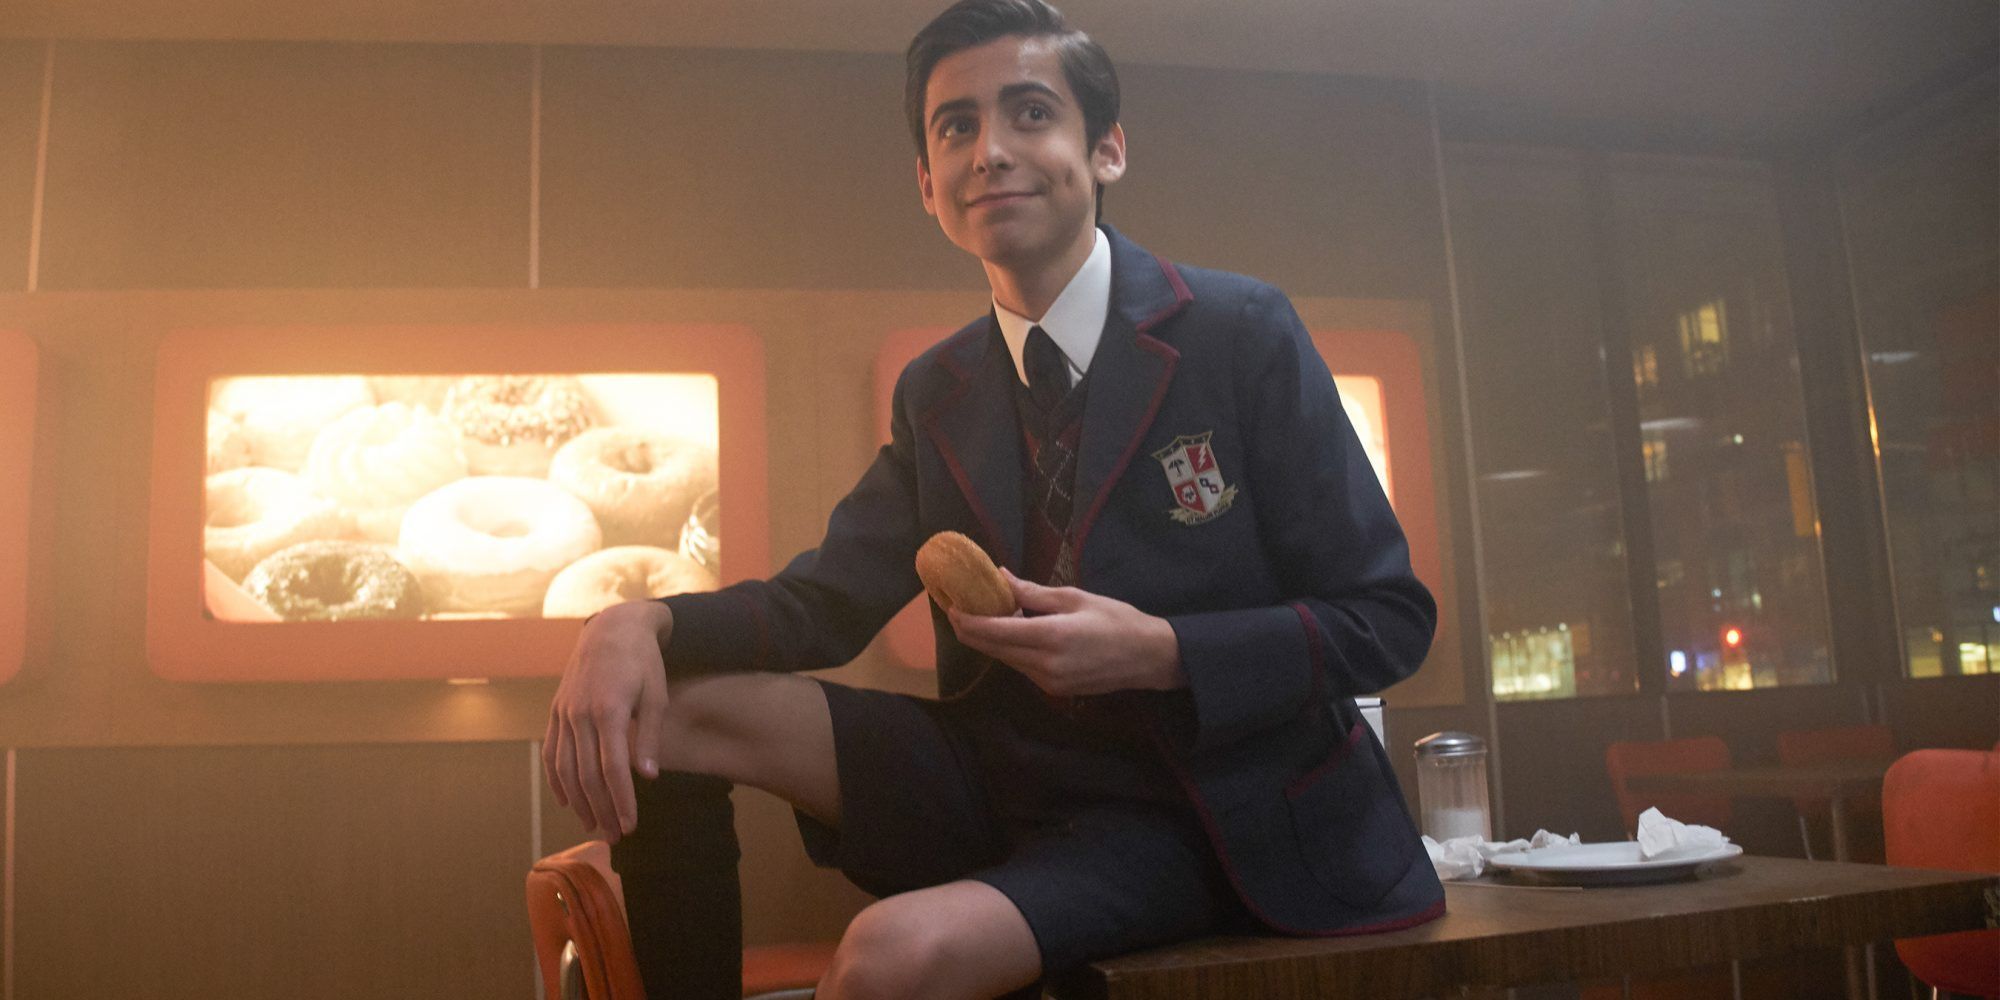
972	23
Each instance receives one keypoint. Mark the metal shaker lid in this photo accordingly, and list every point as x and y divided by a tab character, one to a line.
1451	744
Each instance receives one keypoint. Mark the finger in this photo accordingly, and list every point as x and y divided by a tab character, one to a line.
567	774
590	778
646	735
550	737
1024	633
1046	600
617	770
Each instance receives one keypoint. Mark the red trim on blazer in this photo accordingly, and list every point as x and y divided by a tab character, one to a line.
996	541
1172	357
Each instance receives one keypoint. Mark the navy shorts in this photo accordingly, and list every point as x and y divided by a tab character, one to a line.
1106	878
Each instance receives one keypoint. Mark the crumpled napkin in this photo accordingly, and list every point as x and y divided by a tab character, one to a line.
1662	837
1465	857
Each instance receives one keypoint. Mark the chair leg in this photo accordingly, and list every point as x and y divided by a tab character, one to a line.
1805	837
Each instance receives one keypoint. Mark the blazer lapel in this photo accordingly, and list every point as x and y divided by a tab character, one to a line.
1128	376
975	430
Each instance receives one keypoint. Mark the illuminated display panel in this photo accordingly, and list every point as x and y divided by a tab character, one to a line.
18	371
441	502
1380	378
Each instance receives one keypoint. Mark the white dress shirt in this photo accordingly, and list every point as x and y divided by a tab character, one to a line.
1075	320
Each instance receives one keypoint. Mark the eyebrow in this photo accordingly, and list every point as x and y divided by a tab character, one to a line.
1009	92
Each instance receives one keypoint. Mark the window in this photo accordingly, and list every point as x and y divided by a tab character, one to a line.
1735	532
1555	581
1923	234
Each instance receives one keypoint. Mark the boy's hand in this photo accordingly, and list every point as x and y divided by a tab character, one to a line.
1077	643
615	677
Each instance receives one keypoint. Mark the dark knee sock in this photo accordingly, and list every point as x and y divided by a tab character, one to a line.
682	900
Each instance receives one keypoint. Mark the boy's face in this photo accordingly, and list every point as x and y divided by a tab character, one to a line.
1010	178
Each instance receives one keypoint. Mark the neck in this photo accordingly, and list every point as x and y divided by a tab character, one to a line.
1031	289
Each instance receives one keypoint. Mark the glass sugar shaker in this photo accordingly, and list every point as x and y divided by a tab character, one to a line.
1451	786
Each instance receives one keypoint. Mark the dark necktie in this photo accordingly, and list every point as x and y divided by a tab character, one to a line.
1048	373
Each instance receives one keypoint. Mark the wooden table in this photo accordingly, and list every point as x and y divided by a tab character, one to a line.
1496	935
1835	781
1838	782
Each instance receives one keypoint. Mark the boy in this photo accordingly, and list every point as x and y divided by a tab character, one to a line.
1166	743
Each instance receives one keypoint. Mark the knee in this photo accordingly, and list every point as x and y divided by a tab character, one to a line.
885	955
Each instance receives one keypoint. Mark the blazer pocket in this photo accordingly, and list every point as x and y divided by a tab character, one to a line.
1356	838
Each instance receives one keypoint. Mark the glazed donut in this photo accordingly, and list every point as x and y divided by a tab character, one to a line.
329	581
253	512
958	574
512	424
375	461
228	444
639	483
493	543
282	414
625	573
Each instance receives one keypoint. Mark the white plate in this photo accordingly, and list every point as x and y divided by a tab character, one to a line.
1605	864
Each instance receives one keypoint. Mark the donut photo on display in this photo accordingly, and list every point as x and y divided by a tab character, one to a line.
451	497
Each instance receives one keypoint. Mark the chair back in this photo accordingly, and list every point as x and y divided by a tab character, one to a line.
1819	746
577	917
1627	759
1941	809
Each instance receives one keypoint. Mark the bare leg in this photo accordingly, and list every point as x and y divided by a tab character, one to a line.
768	731
958	940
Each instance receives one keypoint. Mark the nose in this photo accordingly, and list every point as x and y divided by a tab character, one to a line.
992	151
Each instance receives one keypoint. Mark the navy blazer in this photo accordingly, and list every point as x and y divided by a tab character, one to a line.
1269	547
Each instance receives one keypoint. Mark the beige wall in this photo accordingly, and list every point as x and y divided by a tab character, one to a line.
201	184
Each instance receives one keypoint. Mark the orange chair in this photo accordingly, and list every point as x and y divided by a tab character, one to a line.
1816	746
1626	759
576	913
1941	809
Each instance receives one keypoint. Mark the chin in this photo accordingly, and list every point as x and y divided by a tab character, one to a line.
1007	249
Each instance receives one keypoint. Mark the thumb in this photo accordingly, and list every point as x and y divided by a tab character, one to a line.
646	735
1033	596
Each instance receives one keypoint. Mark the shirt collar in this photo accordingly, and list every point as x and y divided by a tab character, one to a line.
1075	320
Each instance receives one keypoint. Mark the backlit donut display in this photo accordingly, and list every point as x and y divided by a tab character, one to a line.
396	502
483	487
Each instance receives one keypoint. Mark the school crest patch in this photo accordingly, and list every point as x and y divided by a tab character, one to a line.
1199	492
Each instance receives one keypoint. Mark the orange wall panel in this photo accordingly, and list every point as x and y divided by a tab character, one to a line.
19	368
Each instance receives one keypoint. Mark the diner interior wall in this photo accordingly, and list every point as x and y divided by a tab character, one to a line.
290	183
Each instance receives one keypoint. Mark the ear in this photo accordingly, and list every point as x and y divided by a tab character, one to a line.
924	187
1107	158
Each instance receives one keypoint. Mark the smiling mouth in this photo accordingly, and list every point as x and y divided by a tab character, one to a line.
1000	199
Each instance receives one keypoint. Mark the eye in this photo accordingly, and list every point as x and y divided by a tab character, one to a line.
954	125
1036	112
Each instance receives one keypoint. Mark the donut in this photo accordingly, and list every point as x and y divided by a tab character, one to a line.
375	461
493	543
282	414
330	581
512	424
640	484
625	573
425	391
254	511
958	574
701	536
228	443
